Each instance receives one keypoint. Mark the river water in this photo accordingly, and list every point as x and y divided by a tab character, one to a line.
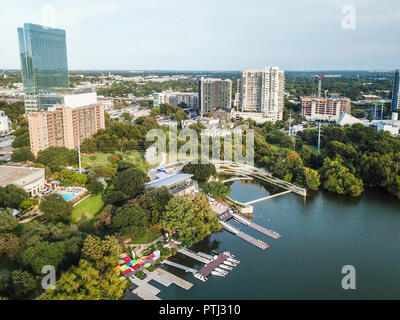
320	235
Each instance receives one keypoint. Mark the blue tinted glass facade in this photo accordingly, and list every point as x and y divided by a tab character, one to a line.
43	53
396	89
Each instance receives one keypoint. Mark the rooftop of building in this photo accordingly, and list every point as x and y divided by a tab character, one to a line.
10	174
169	180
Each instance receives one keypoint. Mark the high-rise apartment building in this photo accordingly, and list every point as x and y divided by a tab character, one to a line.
214	94
66	125
325	109
396	93
261	91
44	67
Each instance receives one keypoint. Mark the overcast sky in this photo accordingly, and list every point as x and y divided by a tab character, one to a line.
212	34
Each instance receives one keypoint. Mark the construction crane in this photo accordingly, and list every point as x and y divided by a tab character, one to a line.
320	77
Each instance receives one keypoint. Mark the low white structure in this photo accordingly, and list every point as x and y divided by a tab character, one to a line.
392	125
256	116
32	180
345	119
4	124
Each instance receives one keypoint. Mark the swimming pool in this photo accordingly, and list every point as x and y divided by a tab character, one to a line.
69	196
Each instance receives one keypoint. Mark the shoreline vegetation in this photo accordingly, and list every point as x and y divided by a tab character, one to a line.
84	242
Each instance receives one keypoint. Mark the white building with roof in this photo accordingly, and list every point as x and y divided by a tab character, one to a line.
179	184
4	122
32	180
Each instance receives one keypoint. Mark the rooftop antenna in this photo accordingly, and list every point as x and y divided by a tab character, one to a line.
319	136
79	156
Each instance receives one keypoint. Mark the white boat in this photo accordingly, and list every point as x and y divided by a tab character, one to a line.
228	263
221	271
218	274
228	254
233	260
223	266
200	277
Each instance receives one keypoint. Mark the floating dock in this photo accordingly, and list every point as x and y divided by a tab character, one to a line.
194	255
224	217
156	276
251	240
144	294
178	281
180	266
206	270
144	285
255	226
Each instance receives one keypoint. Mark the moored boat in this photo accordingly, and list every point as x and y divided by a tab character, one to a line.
200	277
223	266
221	271
228	263
218	274
233	260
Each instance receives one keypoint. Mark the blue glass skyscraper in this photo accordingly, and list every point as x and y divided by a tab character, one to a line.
44	66
395	93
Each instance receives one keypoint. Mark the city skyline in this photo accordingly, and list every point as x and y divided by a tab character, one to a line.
232	36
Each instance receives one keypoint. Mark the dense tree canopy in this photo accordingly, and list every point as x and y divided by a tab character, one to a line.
130	221
12	196
56	157
154	201
191	218
55	208
201	172
130	182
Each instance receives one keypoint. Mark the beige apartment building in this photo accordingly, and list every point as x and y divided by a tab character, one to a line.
65	126
324	109
261	91
214	94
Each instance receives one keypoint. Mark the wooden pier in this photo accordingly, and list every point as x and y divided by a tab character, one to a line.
255	226
180	266
178	281
144	294
212	265
156	276
193	255
144	285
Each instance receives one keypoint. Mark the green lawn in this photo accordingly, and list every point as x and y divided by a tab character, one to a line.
102	159
88	208
149	236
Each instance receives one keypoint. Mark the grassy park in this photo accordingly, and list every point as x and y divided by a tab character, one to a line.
87	208
98	160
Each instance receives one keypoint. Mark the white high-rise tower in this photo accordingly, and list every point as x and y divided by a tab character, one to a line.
261	91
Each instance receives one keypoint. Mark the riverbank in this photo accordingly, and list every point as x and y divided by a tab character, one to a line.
322	233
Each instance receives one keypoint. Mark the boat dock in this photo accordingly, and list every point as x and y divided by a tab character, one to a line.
206	270
144	294
205	255
144	285
180	266
156	276
194	255
255	226
251	240
173	278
